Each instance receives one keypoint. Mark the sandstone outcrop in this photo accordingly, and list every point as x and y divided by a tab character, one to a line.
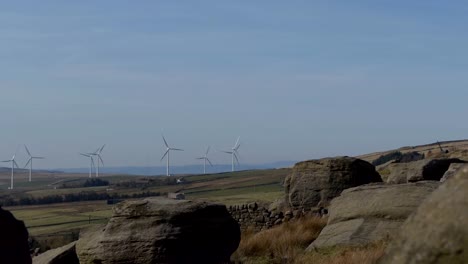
14	246
370	213
61	255
421	170
452	170
438	231
160	230
316	182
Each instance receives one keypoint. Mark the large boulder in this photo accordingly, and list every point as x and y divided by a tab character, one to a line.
452	170
160	230
421	170
14	246
371	213
315	182
438	231
61	255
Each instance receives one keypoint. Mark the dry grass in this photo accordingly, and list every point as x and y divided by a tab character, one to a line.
278	244
287	244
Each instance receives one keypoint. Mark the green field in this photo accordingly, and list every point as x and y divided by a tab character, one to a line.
65	218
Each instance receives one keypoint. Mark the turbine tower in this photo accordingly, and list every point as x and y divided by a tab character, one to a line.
91	163
97	153
30	161
168	150
234	153
205	159
13	164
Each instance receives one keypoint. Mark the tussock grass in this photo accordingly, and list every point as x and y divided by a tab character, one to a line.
275	245
287	243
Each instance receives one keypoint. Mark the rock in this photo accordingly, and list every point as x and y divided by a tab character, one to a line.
160	230
452	170
371	212
421	170
279	205
314	183
14	246
61	255
438	231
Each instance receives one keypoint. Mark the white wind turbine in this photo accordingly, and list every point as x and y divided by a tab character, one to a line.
30	161
13	164
234	152
168	150
91	163
97	153
205	159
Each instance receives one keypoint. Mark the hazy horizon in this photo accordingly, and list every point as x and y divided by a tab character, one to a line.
296	81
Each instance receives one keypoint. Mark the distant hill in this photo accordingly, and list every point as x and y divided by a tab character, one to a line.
188	169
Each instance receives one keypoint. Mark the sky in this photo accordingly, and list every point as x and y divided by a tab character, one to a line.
296	80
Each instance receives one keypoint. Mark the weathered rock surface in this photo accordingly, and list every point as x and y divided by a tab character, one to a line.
421	170
452	170
315	182
13	240
160	230
61	255
371	212
438	231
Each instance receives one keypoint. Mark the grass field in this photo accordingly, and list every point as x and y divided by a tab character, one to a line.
56	219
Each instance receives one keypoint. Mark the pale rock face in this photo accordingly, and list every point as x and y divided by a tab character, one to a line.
159	230
421	170
370	213
315	183
61	255
438	231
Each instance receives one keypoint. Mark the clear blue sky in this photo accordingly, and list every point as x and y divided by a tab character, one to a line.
295	79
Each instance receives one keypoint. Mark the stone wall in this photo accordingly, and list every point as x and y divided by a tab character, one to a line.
256	217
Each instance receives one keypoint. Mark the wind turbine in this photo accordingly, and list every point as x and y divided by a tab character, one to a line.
205	159
97	153
168	150
30	161
91	162
234	152
13	164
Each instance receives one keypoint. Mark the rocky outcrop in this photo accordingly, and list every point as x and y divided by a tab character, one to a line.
61	255
371	212
438	231
422	170
315	182
452	170
161	230
14	246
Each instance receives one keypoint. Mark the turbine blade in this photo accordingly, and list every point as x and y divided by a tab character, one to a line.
86	155
209	162
92	162
16	164
228	152
165	142
99	156
235	156
176	149
164	154
102	148
237	142
6	160
207	150
236	148
27	150
38	157
27	163
200	158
